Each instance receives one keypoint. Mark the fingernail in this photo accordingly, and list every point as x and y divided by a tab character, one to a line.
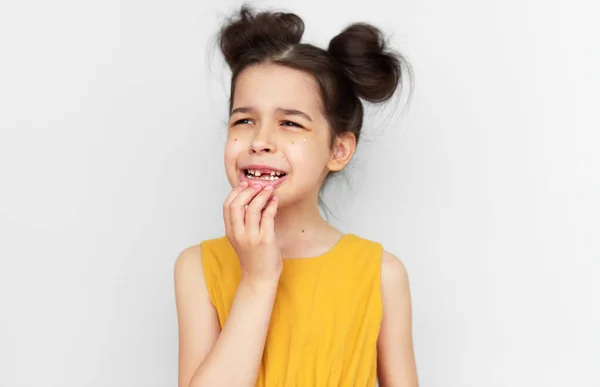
244	183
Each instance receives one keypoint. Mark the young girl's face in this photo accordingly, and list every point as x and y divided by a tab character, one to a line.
277	133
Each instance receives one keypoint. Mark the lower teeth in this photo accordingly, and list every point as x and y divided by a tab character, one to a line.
263	178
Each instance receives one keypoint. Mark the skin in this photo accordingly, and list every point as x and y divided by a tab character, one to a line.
266	135
277	223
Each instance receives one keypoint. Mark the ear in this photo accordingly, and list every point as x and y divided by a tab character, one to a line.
343	148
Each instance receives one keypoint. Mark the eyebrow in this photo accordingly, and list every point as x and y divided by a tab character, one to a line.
287	112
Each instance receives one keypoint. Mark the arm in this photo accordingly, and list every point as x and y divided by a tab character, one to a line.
208	357
233	356
396	360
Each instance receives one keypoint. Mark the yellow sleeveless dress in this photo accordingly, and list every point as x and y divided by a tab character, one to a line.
326	317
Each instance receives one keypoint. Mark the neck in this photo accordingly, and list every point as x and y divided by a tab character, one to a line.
300	221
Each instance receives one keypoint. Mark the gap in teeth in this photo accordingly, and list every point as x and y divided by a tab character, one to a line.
273	175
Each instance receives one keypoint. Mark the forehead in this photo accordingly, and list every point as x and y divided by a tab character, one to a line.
270	86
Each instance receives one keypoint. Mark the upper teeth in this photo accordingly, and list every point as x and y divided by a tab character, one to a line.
259	173
267	175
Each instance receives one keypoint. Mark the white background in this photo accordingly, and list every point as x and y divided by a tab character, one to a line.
112	128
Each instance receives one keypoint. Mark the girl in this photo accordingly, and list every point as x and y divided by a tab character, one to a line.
285	299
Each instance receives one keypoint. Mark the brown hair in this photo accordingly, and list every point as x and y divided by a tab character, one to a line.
356	65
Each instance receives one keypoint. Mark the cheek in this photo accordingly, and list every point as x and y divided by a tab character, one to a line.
307	156
233	148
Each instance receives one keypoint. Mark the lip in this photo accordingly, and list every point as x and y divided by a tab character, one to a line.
263	183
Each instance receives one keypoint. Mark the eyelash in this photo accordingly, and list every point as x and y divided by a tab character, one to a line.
242	122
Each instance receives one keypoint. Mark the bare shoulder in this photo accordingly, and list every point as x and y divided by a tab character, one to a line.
190	283
189	261
189	275
394	276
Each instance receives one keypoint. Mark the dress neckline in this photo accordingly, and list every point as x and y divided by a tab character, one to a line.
315	258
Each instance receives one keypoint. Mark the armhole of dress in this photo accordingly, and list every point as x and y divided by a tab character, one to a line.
379	260
207	268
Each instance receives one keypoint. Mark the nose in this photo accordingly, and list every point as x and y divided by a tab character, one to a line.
262	142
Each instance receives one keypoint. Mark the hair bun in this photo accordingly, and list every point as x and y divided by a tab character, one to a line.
264	32
374	70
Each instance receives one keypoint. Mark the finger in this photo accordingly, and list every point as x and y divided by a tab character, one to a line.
253	212
237	210
234	192
267	221
232	195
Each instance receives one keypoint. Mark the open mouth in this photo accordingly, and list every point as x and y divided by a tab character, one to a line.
263	174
